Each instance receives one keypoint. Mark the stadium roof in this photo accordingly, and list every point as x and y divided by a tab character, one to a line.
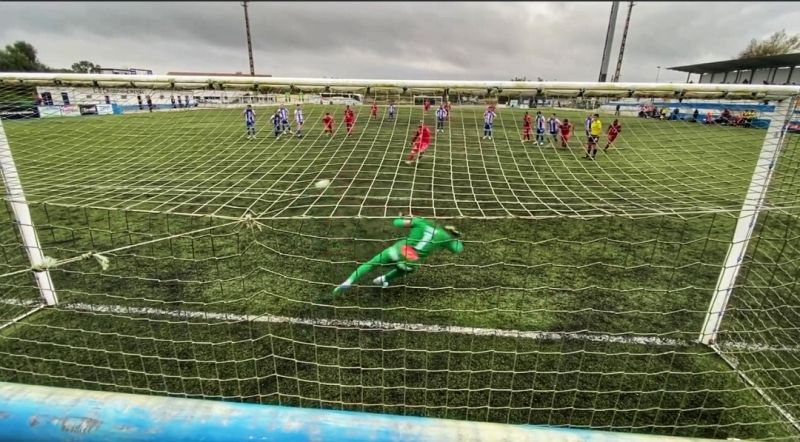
766	62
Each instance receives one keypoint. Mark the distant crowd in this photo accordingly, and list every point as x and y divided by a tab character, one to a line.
727	118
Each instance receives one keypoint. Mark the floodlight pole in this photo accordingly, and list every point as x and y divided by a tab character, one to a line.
748	216
249	41
612	21
617	71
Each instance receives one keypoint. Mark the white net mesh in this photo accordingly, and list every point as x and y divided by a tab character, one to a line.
577	301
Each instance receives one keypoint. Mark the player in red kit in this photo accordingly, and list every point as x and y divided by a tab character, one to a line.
426	105
420	142
526	127
613	131
566	132
349	119
327	120
447	108
374	110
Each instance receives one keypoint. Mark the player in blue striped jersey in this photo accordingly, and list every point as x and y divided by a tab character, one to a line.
250	122
299	119
539	124
441	115
392	111
553	124
488	122
587	125
284	114
276	123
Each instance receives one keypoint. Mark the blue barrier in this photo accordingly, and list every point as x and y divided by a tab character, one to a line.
758	123
36	413
702	105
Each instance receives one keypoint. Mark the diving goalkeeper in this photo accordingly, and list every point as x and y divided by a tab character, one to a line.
405	255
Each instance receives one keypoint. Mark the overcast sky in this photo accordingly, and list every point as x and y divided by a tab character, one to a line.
461	41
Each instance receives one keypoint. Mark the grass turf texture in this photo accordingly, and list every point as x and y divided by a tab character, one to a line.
631	243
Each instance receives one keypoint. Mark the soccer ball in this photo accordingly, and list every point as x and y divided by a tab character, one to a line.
321	184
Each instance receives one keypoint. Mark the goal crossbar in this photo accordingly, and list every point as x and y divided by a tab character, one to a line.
555	88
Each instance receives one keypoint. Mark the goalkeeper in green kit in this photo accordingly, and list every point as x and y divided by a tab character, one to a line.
405	255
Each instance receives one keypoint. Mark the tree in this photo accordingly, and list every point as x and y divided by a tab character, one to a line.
84	67
776	44
20	56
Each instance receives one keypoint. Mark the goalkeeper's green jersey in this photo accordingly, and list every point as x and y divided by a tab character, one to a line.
425	238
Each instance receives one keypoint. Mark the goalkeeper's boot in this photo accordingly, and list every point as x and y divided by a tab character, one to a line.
381	282
341	288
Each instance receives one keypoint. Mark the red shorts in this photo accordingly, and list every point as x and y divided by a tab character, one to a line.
526	129
611	138
328	128
566	136
419	147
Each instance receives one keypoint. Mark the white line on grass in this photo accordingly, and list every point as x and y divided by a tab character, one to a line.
397	326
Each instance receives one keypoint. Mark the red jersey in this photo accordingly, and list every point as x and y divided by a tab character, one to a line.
614	130
327	121
423	135
374	109
349	116
526	121
565	128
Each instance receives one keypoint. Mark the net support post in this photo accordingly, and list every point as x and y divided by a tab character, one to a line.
22	217
36	413
748	216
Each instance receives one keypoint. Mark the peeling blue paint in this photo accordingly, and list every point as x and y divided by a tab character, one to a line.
35	413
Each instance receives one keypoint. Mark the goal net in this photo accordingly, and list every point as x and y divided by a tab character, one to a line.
651	289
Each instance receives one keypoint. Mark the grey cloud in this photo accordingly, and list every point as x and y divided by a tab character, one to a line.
390	40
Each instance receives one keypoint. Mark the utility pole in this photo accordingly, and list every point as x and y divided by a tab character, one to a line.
622	44
612	21
249	42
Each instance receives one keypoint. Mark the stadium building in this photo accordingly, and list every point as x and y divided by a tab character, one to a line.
773	69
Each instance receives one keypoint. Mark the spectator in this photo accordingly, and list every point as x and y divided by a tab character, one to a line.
616	112
663	113
725	117
674	115
695	114
746	81
709	117
750	115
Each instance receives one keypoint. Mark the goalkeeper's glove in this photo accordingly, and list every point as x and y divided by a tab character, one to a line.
452	230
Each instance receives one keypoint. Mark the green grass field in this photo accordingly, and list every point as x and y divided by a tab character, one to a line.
630	245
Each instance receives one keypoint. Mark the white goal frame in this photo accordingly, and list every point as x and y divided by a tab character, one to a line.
784	97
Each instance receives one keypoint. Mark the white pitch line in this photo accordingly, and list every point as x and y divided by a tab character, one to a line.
397	326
